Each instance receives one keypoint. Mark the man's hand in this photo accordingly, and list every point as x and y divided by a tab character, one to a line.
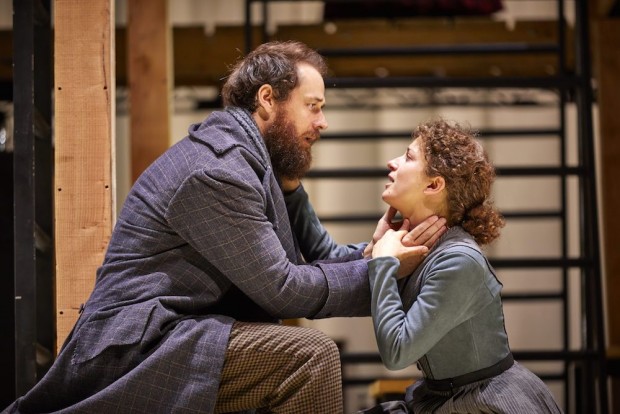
411	255
426	233
391	244
385	223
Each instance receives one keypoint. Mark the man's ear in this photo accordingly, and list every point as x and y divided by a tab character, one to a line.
435	186
266	102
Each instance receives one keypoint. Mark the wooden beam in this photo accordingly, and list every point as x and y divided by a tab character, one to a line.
383	33
607	60
203	59
84	102
605	39
150	81
386	389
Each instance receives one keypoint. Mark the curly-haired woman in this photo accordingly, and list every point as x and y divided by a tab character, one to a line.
447	317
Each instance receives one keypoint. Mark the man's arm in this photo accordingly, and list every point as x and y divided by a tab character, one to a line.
314	241
221	214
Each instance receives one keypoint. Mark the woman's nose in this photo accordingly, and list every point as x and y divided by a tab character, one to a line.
393	164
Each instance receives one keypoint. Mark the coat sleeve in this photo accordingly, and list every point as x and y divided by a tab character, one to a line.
224	215
453	291
314	241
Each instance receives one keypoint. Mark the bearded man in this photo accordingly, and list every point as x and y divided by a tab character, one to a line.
202	265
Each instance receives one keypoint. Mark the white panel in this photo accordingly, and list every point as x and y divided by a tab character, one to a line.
530	280
529	238
534	325
524	152
351	233
344	154
6	14
346	196
527	193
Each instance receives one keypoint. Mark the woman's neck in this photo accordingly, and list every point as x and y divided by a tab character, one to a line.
424	211
418	215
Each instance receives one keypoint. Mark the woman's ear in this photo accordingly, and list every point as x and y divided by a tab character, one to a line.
435	186
266	102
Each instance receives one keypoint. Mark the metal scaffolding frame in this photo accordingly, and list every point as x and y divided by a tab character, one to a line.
584	374
33	203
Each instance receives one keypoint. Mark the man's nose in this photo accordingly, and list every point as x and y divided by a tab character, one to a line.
321	122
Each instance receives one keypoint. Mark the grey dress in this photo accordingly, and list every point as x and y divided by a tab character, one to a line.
448	318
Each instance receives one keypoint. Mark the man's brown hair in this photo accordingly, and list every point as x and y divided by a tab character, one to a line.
273	63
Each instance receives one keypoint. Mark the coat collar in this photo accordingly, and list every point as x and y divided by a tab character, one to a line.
233	127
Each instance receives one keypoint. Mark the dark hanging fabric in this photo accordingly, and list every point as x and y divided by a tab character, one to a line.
367	9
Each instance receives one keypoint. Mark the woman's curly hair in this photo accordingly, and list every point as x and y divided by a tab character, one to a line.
452	152
273	63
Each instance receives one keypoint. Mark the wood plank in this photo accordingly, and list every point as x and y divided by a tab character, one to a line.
388	386
84	102
383	33
150	81
607	63
203	59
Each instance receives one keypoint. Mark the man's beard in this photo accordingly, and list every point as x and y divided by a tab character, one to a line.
290	158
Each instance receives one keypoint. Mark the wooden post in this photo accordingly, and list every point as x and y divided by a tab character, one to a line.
607	63
84	99
150	80
608	76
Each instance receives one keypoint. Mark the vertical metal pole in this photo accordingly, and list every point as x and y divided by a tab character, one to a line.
43	178
595	325
561	21
265	20
248	26
32	192
24	196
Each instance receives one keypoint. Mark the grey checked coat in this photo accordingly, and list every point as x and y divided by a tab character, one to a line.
203	239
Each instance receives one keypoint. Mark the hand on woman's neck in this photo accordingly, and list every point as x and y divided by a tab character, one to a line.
423	211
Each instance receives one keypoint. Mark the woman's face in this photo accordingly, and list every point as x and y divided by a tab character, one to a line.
405	190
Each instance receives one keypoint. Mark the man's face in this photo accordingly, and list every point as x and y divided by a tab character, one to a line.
297	125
